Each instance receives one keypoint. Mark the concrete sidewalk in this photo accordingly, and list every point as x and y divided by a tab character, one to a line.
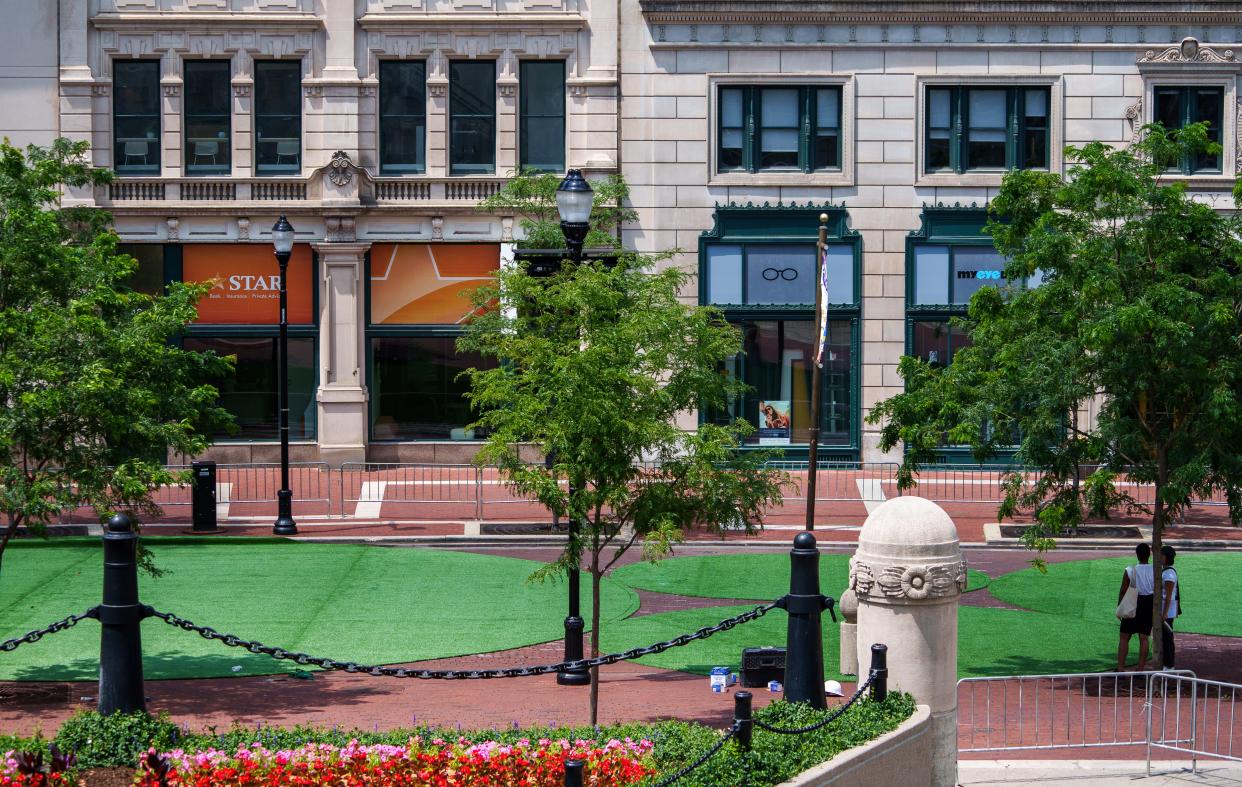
1096	773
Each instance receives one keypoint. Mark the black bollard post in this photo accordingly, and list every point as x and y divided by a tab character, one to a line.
743	719
879	672
573	773
804	649
120	643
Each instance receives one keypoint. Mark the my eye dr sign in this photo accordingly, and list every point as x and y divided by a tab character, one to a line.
981	274
245	283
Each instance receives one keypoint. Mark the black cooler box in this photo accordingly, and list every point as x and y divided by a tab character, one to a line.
760	665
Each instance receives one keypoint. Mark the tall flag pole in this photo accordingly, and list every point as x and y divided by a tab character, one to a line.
821	345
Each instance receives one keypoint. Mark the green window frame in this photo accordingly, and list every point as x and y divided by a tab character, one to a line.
988	128
1176	107
472	117
136	117
403	117
780	334
541	115
779	128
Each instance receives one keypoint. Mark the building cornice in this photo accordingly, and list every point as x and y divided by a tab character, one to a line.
940	11
472	22
142	20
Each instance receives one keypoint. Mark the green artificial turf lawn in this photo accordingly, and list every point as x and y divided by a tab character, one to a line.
1087	590
990	641
757	576
360	603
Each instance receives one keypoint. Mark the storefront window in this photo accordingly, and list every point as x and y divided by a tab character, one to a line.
758	265
418	393
251	393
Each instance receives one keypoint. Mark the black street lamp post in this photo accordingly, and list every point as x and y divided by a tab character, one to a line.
282	241
574	199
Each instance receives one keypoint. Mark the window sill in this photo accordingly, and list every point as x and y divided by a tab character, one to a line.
971	178
826	178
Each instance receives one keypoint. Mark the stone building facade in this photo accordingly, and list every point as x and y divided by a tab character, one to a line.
377	125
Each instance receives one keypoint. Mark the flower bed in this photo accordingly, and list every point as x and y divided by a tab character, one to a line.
437	762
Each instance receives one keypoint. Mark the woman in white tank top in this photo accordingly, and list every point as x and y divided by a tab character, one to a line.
1140	576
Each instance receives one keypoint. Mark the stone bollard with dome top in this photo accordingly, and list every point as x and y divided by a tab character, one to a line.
908	575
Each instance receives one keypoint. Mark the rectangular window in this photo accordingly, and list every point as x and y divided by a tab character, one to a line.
777	364
207	101
764	274
541	113
278	117
1178	107
417	393
986	128
403	117
950	275
774	129
251	393
136	116
472	117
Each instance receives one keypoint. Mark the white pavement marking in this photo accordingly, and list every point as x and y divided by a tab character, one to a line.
1096	773
872	491
370	500
223	493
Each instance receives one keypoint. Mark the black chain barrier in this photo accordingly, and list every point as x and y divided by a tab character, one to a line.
234	641
823	722
706	756
38	634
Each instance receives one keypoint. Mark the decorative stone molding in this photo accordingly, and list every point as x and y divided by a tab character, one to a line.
340	229
340	169
506	228
101	89
1237	129
1189	51
437	228
437	88
243	228
174	227
915	582
1134	116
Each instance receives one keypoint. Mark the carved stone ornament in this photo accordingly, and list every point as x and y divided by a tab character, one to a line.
915	582
1189	51
1238	138
1134	116
340	169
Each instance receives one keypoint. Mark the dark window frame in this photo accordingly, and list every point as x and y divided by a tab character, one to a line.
278	152
152	145
224	144
1194	164
524	115
456	167
751	129
419	166
1018	130
784	226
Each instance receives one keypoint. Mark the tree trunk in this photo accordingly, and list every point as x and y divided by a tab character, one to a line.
10	530
1157	560
596	580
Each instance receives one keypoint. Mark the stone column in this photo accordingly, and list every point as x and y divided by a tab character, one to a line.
849	633
342	386
908	574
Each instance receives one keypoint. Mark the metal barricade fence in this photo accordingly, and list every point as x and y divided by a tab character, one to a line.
1071	710
1193	716
838	481
455	490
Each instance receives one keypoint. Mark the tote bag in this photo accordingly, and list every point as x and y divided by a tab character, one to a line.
1129	602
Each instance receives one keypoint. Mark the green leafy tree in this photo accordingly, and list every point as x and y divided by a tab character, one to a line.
595	366
532	198
93	394
1139	310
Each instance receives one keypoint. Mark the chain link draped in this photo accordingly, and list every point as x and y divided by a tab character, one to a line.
38	634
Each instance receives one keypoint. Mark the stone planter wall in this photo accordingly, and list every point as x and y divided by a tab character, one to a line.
898	757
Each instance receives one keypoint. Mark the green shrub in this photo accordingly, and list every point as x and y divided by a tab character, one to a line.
36	744
116	740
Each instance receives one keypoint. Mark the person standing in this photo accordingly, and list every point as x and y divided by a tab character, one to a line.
1139	576
1172	604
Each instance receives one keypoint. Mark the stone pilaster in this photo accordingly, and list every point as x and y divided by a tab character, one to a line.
342	385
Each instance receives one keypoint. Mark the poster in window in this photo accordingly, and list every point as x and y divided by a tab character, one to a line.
428	283
245	281
774	423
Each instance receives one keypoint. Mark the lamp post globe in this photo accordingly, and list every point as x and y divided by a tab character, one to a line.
282	244
574	199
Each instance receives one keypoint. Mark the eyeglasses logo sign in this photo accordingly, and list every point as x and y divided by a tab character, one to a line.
994	275
785	274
